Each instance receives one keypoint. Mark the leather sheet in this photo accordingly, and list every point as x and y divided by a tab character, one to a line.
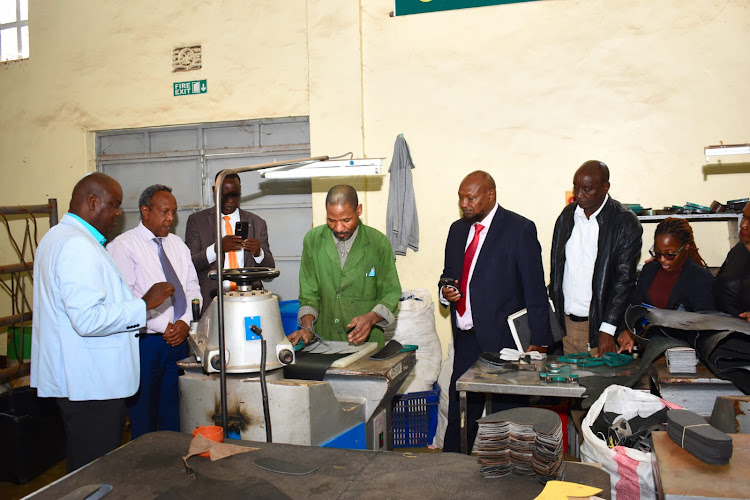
389	350
655	347
310	366
720	341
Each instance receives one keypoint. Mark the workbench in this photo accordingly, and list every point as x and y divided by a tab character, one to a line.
152	467
680	475
489	380
696	392
303	412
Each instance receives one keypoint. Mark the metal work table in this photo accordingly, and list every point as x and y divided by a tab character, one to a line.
680	475
489	380
152	467
696	392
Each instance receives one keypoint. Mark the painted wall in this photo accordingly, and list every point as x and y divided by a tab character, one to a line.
526	91
530	91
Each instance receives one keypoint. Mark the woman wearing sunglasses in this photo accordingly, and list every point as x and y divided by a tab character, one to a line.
676	278
732	289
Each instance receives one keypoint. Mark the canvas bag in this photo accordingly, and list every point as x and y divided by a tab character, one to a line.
631	471
415	325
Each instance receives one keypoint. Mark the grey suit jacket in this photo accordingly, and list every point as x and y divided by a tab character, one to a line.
200	233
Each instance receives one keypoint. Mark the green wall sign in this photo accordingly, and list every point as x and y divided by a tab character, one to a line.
188	88
406	7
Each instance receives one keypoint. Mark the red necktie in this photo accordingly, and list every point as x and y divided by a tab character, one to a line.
468	258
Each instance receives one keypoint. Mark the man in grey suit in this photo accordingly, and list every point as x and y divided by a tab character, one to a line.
200	237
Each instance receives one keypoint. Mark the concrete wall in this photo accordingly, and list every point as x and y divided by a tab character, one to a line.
526	91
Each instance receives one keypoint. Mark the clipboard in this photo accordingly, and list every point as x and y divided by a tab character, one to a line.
519	328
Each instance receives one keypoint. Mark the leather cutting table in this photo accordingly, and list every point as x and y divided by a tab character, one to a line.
489	380
152	467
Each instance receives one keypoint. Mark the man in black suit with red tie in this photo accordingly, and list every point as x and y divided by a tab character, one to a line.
495	257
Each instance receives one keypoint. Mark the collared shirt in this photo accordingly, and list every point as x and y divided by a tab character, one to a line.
137	257
91	229
343	247
466	321
580	260
234	218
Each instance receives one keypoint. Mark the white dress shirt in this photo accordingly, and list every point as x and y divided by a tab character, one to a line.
466	321
136	255
234	218
580	259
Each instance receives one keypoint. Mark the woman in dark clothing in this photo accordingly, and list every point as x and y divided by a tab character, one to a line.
676	278
732	288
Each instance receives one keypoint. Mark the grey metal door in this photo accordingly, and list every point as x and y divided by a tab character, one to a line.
188	158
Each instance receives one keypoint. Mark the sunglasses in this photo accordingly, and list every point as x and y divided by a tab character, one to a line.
668	256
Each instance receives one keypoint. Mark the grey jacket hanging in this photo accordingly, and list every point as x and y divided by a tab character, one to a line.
402	223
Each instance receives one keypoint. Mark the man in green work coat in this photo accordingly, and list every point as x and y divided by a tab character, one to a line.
349	288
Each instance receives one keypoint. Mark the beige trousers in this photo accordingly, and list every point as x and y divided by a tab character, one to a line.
577	337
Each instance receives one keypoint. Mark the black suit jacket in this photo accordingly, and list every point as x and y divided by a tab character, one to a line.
508	277
200	233
694	289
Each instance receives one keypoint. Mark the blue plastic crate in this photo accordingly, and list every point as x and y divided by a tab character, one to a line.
415	418
289	309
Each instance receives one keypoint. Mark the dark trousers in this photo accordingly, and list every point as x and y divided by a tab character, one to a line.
92	428
467	351
156	405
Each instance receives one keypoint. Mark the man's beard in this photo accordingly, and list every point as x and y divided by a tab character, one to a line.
472	219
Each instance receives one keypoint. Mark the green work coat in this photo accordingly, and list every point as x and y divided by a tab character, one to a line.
368	278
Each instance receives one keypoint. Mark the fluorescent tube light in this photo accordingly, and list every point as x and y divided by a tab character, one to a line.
726	149
331	168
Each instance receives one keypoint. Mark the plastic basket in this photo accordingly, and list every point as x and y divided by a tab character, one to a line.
415	418
289	309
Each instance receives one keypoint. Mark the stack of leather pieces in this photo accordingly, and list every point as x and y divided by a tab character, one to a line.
525	441
691	431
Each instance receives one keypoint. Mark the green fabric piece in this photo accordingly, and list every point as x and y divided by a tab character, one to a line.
368	278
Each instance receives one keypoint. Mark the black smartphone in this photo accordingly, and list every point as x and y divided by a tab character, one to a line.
449	282
242	228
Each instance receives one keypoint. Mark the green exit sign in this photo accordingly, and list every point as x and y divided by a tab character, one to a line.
188	88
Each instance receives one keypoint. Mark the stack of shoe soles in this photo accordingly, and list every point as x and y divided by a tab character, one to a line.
525	441
690	431
681	360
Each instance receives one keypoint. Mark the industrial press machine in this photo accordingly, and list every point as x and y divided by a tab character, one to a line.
349	408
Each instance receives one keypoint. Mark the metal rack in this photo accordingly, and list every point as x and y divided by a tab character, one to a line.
16	270
732	220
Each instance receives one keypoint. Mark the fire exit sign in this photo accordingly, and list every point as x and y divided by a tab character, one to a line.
188	88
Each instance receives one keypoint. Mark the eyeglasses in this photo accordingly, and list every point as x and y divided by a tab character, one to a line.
668	256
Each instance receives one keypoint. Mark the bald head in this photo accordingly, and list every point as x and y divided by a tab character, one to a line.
591	185
96	199
595	167
477	196
343	194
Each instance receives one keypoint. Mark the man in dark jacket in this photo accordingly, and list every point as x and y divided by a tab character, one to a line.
495	259
596	246
200	237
